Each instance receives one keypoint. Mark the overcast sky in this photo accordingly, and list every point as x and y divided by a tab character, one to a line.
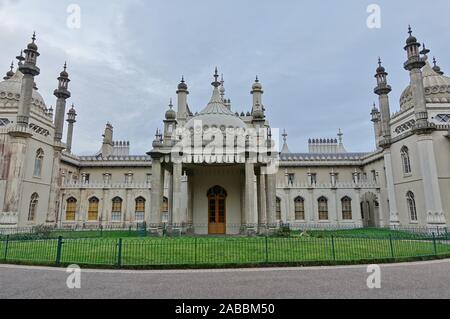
315	59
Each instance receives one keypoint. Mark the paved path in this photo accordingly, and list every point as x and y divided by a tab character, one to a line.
414	280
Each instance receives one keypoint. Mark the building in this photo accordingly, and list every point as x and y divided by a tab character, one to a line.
219	172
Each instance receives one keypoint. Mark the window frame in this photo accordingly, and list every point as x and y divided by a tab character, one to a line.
412	207
299	211
322	210
71	204
347	209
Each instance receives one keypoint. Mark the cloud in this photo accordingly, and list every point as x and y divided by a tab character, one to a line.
316	61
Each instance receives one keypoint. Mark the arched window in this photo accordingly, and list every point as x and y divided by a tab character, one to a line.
33	207
278	209
299	204
347	208
406	162
93	209
38	161
71	209
411	201
116	214
323	208
140	209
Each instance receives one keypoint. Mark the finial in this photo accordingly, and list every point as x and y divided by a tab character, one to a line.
182	79
257	79
34	36
216	82
379	61
285	135
436	68
424	51
12	66
65	66
409	30
170	104
340	135
20	58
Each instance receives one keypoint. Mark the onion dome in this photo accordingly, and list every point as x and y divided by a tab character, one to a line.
171	114
32	45
64	73
182	86
257	86
411	39
380	68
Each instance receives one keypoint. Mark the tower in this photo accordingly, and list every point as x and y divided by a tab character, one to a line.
414	65
108	145
257	92
170	123
71	120
376	120
62	94
182	94
382	90
30	71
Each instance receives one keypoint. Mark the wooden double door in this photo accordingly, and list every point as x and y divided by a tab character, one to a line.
217	211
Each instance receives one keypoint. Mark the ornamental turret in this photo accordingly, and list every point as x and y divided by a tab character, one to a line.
62	94
382	90
71	120
10	73
414	64
182	93
29	70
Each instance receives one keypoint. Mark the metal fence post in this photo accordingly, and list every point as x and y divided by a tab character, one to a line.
59	251
391	244
6	247
119	253
333	246
435	245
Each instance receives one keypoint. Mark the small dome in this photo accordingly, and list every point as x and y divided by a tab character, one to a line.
11	90
32	45
412	39
171	114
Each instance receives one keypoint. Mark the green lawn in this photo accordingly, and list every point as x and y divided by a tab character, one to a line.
217	251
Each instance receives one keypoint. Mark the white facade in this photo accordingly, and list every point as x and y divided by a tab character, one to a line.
405	182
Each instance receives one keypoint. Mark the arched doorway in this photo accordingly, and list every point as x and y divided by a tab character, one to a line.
217	214
370	210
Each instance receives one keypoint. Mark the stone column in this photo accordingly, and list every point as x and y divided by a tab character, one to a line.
394	218
250	198
170	197
358	218
15	178
433	201
271	185
156	195
55	187
262	201
178	216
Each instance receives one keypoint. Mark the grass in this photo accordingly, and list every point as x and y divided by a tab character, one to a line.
360	233
185	251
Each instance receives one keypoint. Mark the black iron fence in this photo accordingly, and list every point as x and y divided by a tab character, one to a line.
205	251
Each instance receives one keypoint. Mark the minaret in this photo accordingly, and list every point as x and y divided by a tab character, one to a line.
71	119
382	90
10	73
257	92
376	119
182	93
222	89
29	70
170	122
62	93
414	65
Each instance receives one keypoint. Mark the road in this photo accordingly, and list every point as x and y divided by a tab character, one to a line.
412	281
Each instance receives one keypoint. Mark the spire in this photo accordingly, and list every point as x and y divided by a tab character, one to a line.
20	58
285	149
10	73
381	76
341	137
216	82
436	68
222	88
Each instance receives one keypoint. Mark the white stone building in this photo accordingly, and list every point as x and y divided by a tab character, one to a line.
189	182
